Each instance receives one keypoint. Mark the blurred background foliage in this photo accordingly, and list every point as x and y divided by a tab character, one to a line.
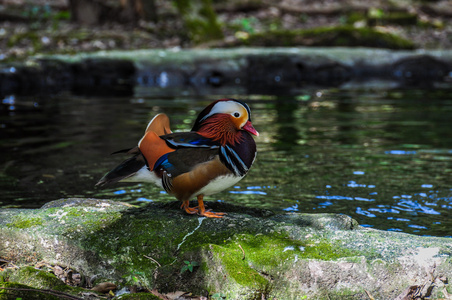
28	27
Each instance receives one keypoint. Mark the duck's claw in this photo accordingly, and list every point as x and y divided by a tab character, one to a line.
207	213
189	210
210	214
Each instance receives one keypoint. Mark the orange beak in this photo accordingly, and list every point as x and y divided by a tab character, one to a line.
249	127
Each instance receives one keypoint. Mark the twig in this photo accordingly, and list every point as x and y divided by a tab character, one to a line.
50	292
148	257
161	296
369	295
243	258
13	266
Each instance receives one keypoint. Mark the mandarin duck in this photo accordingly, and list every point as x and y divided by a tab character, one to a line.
214	155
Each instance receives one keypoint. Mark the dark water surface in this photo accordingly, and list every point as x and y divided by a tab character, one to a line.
382	157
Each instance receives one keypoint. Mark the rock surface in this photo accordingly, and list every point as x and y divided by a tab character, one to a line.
249	254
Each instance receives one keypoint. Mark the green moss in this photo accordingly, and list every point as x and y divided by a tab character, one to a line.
239	269
274	249
330	36
32	36
247	258
14	290
95	222
344	293
23	221
138	296
263	254
38	279
79	221
150	239
327	251
35	280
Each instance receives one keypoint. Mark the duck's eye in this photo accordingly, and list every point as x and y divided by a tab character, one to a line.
236	114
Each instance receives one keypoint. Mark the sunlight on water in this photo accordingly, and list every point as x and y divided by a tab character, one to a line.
250	190
400	152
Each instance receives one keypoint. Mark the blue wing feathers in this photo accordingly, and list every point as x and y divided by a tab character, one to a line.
194	140
163	162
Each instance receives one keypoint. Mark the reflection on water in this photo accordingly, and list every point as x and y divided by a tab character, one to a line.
384	158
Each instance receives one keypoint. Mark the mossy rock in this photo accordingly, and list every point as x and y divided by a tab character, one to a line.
248	254
343	36
30	283
13	290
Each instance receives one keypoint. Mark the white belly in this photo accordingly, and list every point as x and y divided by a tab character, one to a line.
144	175
215	186
218	184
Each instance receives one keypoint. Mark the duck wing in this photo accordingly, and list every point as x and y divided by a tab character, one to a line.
159	125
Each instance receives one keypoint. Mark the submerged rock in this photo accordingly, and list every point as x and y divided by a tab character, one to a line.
249	253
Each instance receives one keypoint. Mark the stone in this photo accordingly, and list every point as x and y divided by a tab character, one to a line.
272	71
248	254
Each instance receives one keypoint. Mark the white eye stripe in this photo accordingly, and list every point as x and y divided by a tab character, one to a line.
225	107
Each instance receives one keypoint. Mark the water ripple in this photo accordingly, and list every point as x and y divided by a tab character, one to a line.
292	208
400	152
334	197
248	192
409	205
363	212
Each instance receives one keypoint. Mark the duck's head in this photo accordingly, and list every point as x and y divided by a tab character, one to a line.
225	117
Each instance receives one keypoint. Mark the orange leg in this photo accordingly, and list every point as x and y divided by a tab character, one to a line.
207	213
189	210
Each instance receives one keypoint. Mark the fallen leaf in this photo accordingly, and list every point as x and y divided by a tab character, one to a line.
104	287
161	296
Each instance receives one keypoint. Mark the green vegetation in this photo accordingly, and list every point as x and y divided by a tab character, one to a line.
25	222
200	20
245	257
218	296
30	283
189	266
346	36
13	290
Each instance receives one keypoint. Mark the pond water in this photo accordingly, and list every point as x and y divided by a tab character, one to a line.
382	157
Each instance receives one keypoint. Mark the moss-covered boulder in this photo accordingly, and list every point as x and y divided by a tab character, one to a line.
248	254
339	36
31	283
